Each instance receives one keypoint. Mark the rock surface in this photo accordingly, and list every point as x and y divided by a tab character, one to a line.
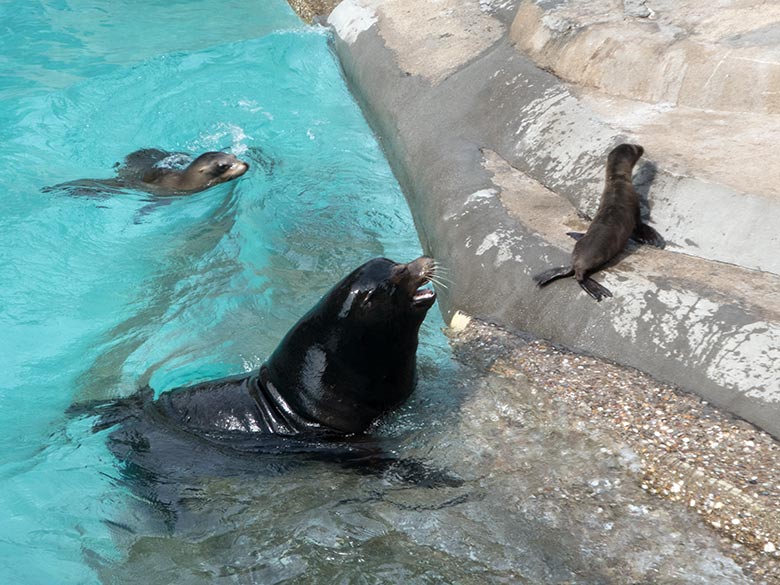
497	116
498	157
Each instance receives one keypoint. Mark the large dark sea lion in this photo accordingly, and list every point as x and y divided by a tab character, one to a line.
617	220
163	173
348	361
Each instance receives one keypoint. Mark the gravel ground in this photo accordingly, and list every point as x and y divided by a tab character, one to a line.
724	468
309	9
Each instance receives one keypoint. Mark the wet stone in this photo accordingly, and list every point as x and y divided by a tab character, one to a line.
308	10
691	456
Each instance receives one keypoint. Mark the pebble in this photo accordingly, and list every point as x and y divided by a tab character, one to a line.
723	468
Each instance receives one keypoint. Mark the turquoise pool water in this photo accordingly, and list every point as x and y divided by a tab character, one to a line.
101	295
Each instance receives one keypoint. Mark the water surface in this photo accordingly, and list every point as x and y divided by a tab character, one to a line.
102	295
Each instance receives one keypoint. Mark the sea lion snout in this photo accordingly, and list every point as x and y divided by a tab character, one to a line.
424	267
220	165
232	170
422	271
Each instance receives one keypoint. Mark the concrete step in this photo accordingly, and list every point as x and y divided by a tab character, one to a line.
498	158
698	87
720	56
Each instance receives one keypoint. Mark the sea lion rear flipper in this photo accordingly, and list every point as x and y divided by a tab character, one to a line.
644	234
576	235
98	188
594	289
548	276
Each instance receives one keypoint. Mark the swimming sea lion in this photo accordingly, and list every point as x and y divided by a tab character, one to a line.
617	219
344	364
164	173
349	360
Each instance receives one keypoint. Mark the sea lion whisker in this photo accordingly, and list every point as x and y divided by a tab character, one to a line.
437	282
444	278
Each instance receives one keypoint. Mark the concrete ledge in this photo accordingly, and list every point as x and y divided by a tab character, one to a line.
660	50
491	152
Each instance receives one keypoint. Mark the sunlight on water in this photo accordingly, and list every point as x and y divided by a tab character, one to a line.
104	294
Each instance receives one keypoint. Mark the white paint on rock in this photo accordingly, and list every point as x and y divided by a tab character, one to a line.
689	327
738	363
350	18
505	242
565	143
476	199
480	195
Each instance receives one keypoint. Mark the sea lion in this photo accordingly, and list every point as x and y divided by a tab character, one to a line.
163	173
618	218
346	362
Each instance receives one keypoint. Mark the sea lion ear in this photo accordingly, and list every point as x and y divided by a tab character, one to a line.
366	301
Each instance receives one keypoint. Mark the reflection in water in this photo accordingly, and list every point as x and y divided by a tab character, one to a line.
155	298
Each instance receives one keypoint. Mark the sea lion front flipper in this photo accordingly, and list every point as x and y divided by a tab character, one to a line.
644	234
548	276
139	163
576	235
145	157
594	289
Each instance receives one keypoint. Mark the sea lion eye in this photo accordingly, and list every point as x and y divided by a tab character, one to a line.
222	167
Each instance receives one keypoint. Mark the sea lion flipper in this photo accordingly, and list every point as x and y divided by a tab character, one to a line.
405	471
145	157
138	163
644	234
548	276
98	188
594	289
576	235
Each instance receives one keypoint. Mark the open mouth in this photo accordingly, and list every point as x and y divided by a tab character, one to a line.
424	296
420	274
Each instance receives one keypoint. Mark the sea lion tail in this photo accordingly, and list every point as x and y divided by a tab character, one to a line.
546	277
594	289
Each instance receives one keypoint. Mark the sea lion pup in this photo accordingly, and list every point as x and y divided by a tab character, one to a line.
164	173
617	219
346	362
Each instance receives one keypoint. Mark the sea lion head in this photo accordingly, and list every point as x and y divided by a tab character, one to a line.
353	356
623	156
211	168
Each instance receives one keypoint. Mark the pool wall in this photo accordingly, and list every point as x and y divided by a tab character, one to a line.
498	158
